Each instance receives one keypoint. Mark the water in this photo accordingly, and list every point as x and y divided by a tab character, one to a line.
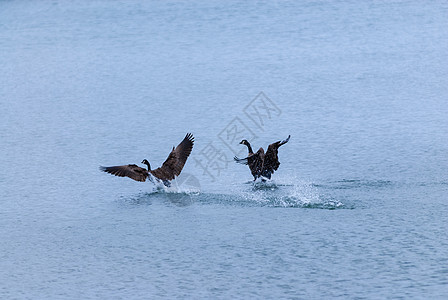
357	208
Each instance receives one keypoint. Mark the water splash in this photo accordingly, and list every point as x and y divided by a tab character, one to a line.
291	192
183	184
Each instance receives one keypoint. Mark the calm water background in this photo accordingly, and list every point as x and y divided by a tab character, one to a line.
358	208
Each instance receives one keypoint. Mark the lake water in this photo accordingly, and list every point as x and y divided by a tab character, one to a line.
357	209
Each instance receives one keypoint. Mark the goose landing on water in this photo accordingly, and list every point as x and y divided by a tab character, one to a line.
262	164
170	168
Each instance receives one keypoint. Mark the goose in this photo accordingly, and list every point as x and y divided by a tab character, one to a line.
254	160
168	171
262	164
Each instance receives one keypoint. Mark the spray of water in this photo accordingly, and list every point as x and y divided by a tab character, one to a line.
287	191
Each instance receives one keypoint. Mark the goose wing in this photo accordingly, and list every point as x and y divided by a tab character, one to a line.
271	162
175	162
254	161
131	171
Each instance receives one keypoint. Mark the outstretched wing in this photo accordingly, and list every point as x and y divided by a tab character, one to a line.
254	161
271	162
175	162
243	161
131	171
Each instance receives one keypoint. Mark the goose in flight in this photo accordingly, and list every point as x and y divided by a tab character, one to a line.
168	171
262	164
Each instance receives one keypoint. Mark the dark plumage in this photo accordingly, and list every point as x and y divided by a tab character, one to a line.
262	164
170	168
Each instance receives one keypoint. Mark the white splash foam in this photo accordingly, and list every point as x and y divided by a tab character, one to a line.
287	191
186	184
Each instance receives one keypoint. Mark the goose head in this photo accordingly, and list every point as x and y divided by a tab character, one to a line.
244	142
146	162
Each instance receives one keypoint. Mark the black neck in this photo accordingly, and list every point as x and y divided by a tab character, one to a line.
149	166
249	148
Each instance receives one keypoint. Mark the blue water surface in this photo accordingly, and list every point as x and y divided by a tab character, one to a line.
357	209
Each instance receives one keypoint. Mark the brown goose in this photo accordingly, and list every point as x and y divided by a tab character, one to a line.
262	164
253	160
170	168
